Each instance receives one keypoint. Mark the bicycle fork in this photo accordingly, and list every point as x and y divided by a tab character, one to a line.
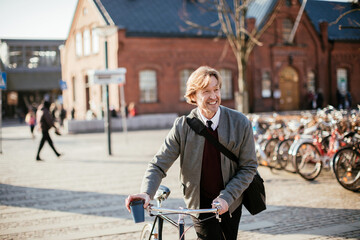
181	224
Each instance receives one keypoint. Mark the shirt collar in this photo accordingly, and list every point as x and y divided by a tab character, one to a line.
215	119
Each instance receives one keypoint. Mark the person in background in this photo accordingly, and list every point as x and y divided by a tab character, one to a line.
73	113
319	99
46	122
207	177
132	109
348	100
30	119
62	115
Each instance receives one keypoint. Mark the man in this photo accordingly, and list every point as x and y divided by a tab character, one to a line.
46	122
206	175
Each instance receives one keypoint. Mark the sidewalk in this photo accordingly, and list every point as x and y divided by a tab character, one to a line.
81	195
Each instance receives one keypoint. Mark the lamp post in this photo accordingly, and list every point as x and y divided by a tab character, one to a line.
105	32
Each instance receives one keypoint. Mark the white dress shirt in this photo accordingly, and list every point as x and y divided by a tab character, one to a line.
215	119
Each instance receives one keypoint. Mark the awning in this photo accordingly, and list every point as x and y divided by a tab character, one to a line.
25	81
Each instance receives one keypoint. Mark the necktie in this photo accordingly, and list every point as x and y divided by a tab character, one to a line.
209	123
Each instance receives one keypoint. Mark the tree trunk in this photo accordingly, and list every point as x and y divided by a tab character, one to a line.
242	97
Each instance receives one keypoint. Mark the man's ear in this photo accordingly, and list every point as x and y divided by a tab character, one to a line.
193	98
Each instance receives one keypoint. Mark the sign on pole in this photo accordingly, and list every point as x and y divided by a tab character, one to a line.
2	80
63	85
107	76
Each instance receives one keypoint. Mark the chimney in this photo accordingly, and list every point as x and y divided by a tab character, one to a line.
324	35
250	24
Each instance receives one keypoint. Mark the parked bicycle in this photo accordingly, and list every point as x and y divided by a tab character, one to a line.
154	231
346	165
310	142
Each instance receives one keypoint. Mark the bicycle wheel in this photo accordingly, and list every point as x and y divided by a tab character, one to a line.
146	233
346	166
270	152
260	154
308	161
283	156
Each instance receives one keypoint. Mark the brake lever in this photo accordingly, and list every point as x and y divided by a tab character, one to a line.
218	207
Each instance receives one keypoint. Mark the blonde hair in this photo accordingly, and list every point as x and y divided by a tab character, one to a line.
200	79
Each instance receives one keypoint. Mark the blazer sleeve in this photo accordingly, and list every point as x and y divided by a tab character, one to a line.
162	161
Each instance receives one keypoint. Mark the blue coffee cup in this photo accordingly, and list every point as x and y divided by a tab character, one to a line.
137	210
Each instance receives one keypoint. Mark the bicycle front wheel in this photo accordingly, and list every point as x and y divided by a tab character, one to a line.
283	153
270	152
346	166
146	233
308	161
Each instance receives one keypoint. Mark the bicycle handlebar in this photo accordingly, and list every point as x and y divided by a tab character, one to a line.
182	211
160	210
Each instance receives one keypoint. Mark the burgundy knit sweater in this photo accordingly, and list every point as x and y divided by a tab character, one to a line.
211	177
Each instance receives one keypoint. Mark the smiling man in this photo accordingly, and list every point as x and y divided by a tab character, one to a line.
206	175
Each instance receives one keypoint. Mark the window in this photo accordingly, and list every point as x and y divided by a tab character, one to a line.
226	88
287	26
342	80
148	86
311	82
95	41
78	45
184	76
16	57
265	84
87	42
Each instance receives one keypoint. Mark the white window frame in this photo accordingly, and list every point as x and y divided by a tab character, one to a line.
95	41
184	76
287	26
265	84
342	79
148	86
87	43
227	86
311	82
78	44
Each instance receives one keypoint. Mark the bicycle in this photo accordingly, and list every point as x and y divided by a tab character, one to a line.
154	231
346	165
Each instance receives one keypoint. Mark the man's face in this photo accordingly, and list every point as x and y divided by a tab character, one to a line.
208	99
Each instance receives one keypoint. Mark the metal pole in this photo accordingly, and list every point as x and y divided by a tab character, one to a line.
123	115
0	121
107	113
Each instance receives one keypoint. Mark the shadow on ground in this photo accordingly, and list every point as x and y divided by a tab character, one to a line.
292	219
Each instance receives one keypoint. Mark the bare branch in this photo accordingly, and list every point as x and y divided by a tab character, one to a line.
343	15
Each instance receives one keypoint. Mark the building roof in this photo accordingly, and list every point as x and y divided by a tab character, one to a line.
166	17
320	11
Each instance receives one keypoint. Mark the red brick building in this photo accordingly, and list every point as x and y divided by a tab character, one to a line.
159	53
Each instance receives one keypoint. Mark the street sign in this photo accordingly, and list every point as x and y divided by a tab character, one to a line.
2	80
63	85
107	76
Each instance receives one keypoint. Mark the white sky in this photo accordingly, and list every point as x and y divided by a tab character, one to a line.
38	19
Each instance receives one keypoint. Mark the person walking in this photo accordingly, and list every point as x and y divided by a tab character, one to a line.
206	175
30	120
46	123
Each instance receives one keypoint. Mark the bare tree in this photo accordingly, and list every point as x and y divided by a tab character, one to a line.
231	23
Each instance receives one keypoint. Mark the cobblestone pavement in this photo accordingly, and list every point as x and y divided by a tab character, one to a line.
81	195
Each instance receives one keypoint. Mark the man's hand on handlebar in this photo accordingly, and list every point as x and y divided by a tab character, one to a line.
139	196
221	204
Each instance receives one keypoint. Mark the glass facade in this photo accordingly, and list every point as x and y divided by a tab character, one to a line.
33	57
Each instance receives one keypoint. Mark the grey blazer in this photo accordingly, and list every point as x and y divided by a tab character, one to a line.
235	133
